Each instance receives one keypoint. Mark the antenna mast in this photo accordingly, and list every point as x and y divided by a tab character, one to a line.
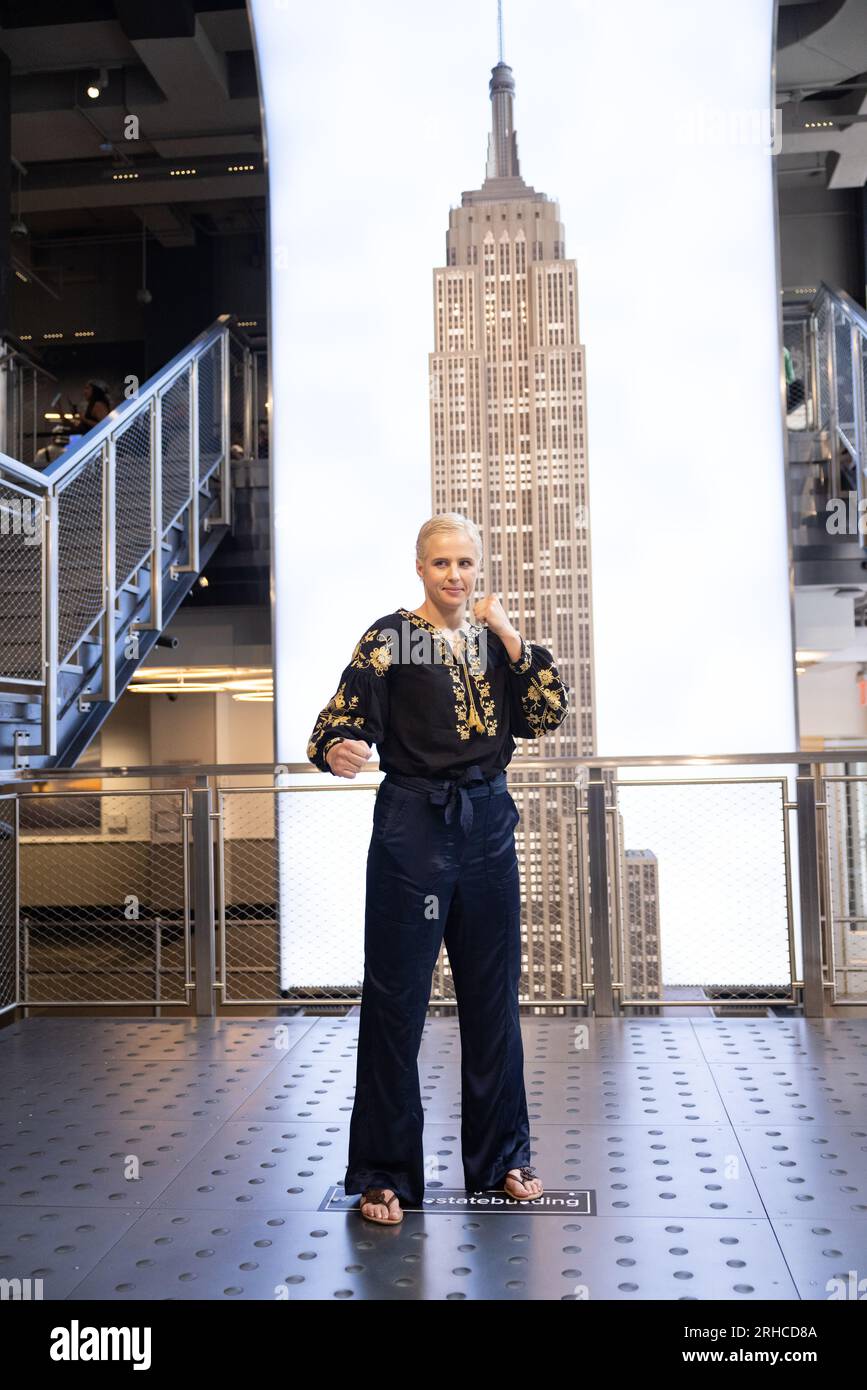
500	29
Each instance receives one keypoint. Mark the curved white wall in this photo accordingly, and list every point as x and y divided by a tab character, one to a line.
644	121
651	125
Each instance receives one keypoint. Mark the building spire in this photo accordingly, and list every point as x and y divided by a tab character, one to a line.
502	142
503	180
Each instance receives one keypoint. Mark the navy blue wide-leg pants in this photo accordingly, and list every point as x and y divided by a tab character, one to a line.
433	876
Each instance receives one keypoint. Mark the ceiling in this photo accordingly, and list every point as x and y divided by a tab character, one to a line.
185	69
178	76
821	84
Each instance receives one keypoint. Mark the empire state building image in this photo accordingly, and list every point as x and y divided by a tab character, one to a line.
508	448
507	410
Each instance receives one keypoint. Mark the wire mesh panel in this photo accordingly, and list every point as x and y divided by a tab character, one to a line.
20	415
546	842
292	885
133	502
823	330
80	563
237	398
260	405
705	889
210	408
8	904
291	892
845	798
798	391
843	365
176	447
104	897
21	584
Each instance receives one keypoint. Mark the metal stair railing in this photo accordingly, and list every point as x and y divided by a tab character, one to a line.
828	343
87	545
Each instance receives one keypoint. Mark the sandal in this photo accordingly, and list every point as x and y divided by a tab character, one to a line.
527	1173
376	1196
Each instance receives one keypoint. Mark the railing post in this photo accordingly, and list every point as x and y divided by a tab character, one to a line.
108	692
858	420
248	404
203	898
600	918
193	514
17	907
49	623
815	422
833	417
157	513
808	878
226	431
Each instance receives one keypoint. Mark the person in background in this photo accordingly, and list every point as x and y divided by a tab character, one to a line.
97	404
794	384
49	452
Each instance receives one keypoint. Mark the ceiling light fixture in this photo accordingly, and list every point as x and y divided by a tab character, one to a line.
247	681
97	86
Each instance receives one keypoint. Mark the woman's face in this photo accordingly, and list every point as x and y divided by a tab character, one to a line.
449	570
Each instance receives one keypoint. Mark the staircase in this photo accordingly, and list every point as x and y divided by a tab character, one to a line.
827	437
99	550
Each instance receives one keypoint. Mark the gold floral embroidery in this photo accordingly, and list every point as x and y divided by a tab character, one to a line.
488	704
525	660
545	703
333	714
466	720
368	654
365	657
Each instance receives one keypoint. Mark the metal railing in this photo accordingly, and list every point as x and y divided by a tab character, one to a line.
826	400
90	545
22	381
647	883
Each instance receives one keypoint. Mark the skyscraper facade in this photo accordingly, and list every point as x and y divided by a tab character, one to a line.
509	449
508	418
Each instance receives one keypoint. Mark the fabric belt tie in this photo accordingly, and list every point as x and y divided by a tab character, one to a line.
453	794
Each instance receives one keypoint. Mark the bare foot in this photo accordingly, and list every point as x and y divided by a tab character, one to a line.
377	1204
524	1189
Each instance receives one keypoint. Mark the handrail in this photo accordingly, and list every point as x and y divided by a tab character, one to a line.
798	756
131	505
94	438
33	477
850	306
70	458
831	333
19	353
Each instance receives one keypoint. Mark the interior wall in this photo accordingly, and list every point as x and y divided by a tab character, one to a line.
828	704
146	730
821	236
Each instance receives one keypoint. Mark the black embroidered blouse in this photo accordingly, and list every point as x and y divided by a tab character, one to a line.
433	711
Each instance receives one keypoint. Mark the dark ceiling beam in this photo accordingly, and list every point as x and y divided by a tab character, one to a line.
134	193
165	19
22	14
37	14
34	92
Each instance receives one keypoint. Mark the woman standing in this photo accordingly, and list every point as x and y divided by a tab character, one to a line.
442	695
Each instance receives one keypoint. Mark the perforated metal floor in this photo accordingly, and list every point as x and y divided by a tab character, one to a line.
682	1159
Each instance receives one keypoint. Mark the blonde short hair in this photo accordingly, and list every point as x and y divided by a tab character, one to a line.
447	521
